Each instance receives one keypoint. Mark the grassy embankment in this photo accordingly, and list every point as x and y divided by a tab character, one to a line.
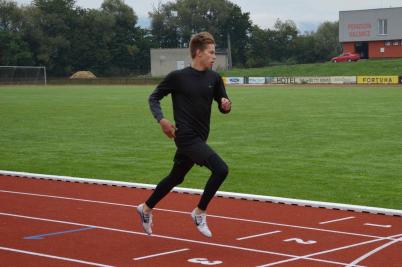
362	67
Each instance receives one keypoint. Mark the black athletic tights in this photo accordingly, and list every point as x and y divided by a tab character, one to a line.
176	176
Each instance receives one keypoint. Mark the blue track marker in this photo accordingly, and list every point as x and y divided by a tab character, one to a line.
39	237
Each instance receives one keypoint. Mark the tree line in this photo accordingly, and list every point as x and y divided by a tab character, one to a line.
66	38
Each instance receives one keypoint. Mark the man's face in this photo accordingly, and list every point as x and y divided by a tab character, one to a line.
207	57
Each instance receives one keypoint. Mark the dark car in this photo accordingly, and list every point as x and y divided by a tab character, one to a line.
346	57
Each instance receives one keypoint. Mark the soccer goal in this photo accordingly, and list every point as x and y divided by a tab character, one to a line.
23	75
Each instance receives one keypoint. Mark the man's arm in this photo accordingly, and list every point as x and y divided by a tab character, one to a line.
163	89
224	104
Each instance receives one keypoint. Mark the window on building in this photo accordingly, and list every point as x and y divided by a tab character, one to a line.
382	26
395	43
387	43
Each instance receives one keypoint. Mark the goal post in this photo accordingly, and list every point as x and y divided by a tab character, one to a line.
23	75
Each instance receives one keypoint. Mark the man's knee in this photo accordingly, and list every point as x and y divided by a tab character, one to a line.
222	170
218	166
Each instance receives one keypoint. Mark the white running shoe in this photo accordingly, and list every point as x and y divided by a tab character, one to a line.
146	219
200	221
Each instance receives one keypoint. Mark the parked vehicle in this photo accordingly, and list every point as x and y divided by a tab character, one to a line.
346	57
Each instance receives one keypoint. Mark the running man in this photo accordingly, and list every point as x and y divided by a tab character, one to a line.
193	89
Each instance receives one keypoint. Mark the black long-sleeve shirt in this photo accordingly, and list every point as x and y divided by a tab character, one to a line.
192	93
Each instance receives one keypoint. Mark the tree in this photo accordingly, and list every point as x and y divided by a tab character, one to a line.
13	48
259	50
123	45
327	40
92	41
173	24
54	21
10	16
277	45
283	40
305	49
164	26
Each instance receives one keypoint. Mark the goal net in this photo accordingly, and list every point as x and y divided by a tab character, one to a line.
22	75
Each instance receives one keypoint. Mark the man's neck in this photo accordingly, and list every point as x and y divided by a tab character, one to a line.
197	66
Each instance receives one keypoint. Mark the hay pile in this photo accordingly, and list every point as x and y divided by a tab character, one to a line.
83	75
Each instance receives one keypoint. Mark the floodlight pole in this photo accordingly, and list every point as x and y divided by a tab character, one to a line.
44	72
229	52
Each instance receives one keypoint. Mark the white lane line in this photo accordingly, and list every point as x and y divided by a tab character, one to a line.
252	236
54	257
173	238
289	201
161	254
68	198
393	238
378	225
183	212
368	254
337	220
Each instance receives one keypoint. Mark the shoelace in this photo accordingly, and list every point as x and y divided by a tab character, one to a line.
147	218
200	219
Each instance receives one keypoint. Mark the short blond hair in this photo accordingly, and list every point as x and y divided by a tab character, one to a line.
200	41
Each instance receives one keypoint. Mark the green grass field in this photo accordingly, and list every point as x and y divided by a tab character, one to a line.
362	67
329	144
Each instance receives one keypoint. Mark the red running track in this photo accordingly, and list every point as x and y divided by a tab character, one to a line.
53	223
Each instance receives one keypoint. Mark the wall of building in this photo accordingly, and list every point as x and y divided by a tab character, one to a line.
348	47
381	49
363	25
164	61
362	28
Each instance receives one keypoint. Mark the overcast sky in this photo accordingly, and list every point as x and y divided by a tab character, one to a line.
307	14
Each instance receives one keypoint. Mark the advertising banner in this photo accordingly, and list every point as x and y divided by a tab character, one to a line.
298	80
377	79
343	80
280	80
312	80
233	80
256	80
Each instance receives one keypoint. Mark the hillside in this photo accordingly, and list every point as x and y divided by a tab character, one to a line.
362	67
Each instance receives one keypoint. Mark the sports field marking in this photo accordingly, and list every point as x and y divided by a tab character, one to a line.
378	225
161	254
294	257
332	250
368	254
53	257
37	237
300	241
187	213
68	198
269	199
337	220
252	236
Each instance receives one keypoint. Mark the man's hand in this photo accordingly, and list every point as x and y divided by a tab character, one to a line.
168	128
225	104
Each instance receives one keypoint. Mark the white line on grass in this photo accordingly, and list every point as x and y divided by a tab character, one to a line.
161	254
209	215
338	220
174	238
252	236
54	257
